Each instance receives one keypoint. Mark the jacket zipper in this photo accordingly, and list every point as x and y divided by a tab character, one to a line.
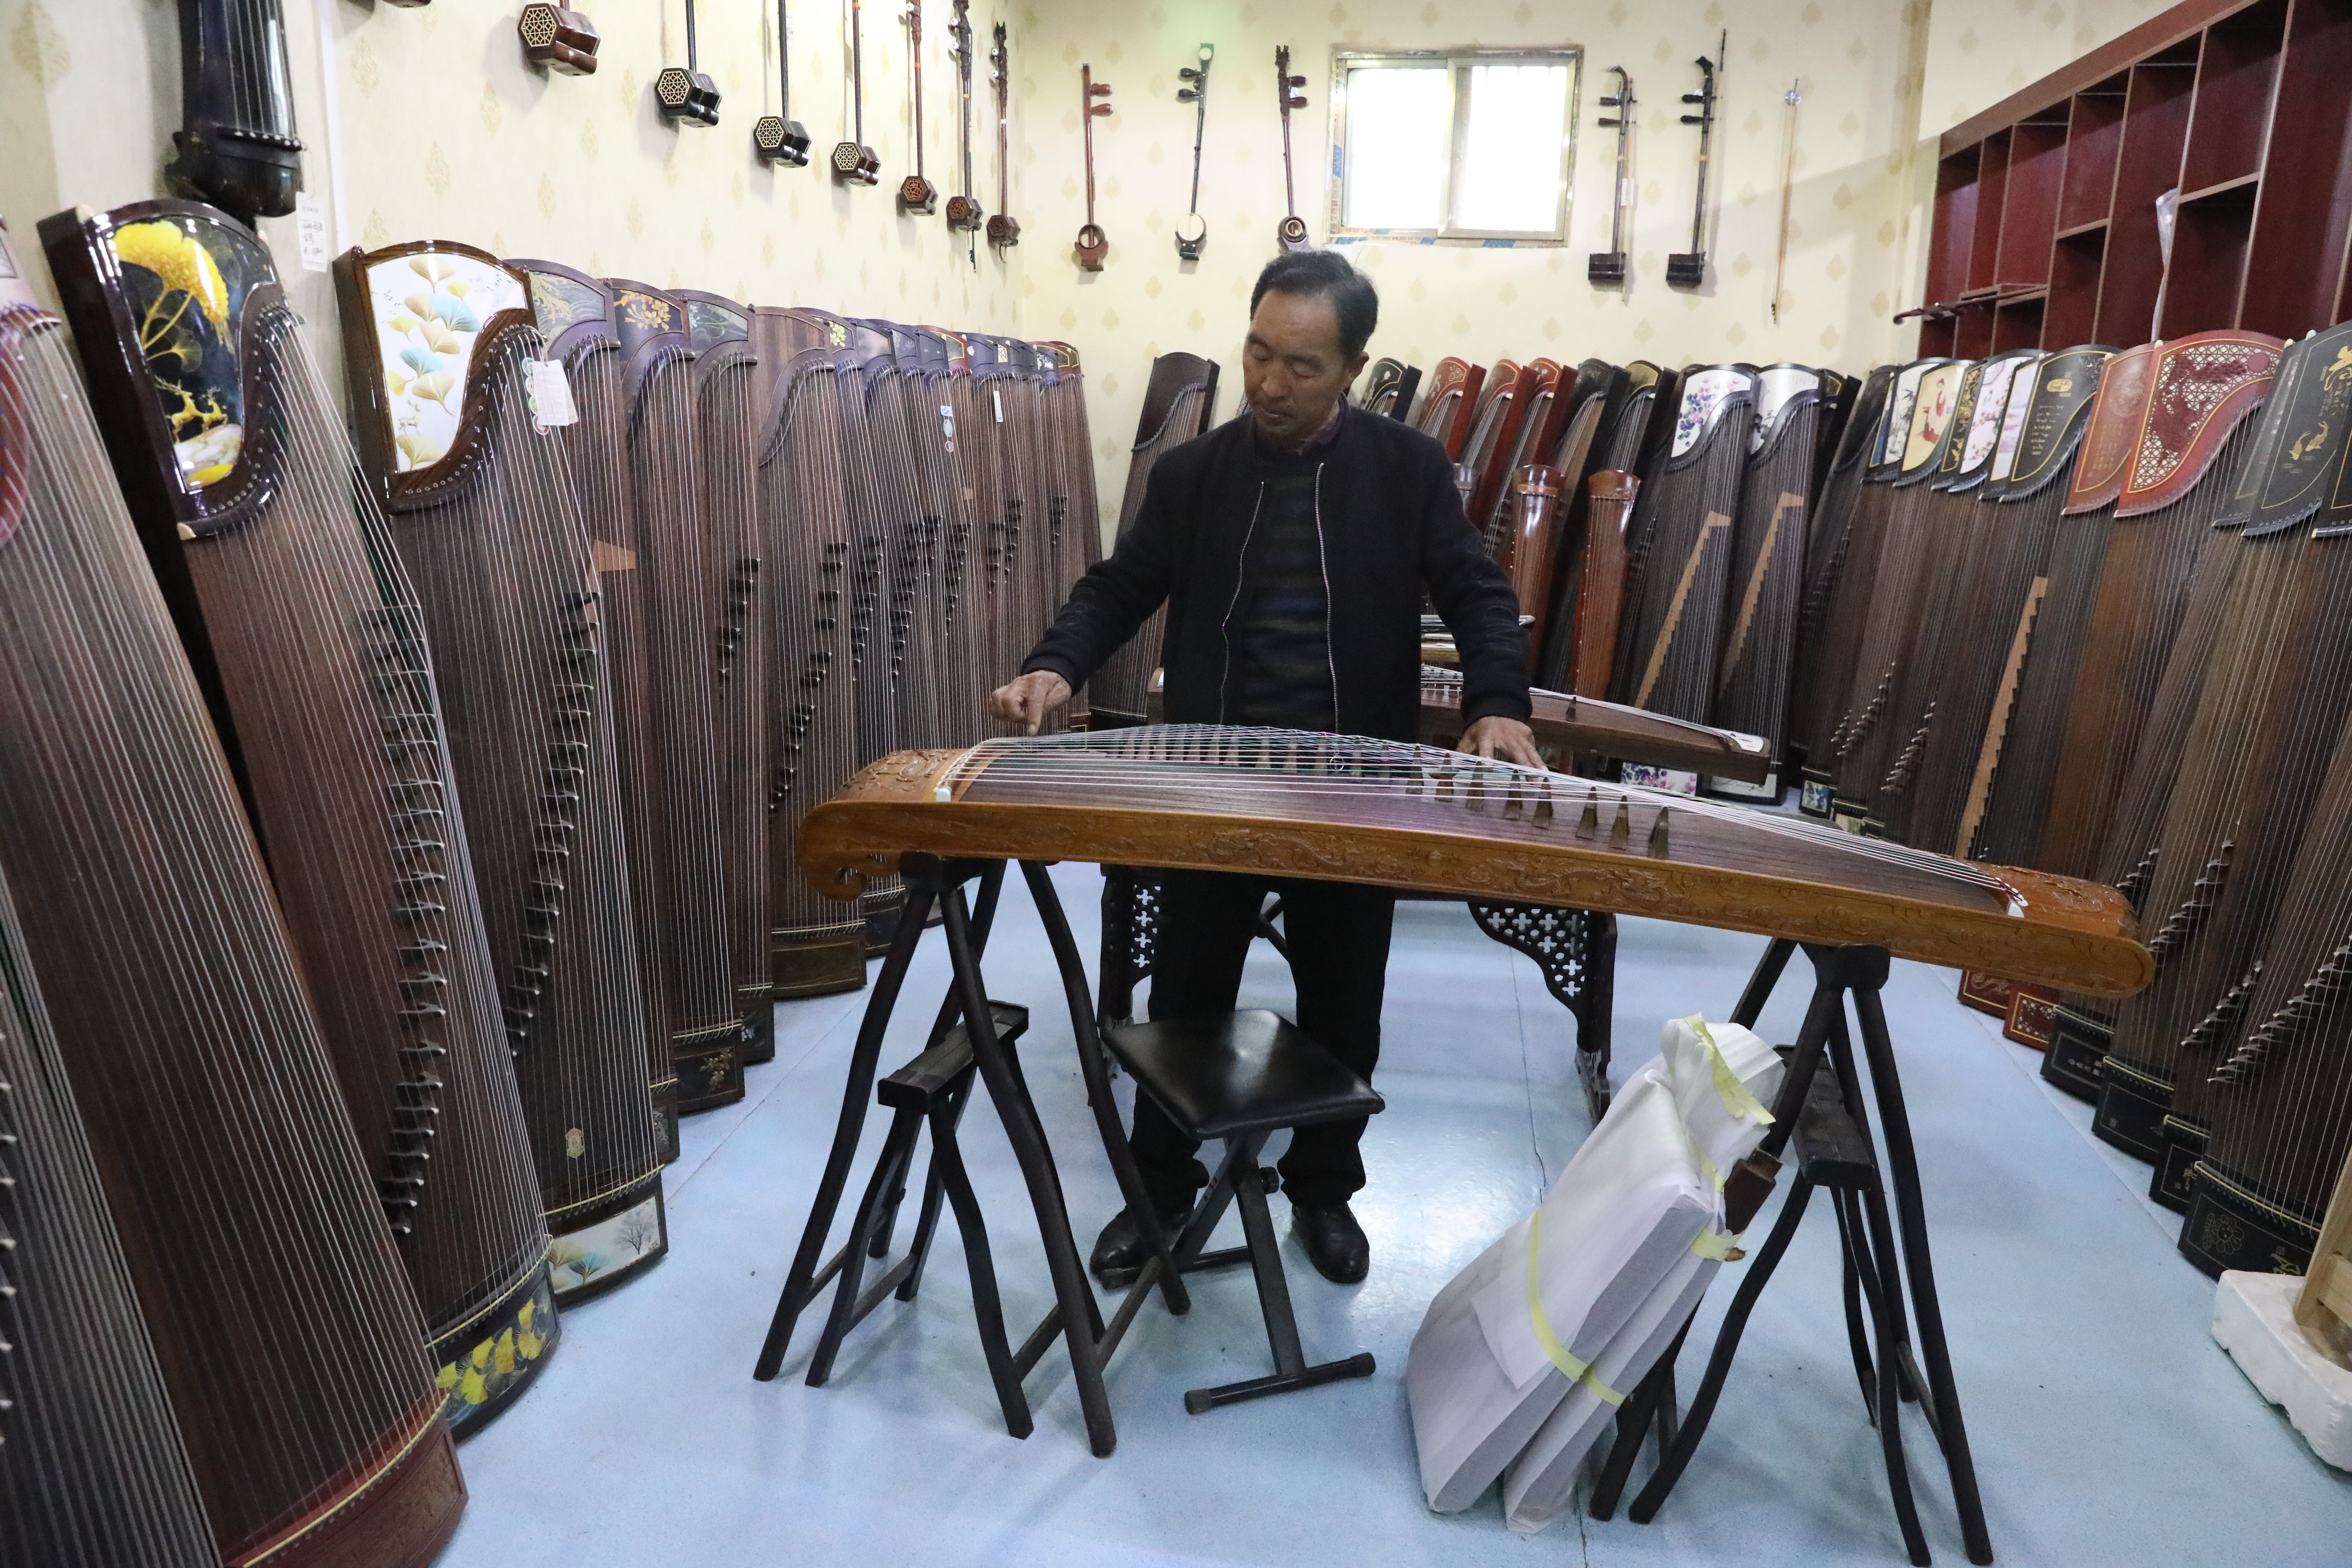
1323	563
1241	581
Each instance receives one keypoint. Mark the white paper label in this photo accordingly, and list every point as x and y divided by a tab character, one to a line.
550	396
12	290
310	231
997	398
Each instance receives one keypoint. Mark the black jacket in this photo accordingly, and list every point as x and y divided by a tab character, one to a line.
1391	523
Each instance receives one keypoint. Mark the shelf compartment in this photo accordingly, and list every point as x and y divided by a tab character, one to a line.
2092	141
2236	78
1956	211
2155	125
1972	330
2071	315
2294	276
2037	173
2016	323
1992	185
2208	273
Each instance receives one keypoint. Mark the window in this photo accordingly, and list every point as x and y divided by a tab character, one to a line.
1453	143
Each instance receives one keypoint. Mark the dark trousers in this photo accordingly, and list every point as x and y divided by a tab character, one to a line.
1337	934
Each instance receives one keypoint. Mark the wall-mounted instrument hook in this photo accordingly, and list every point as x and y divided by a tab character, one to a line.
1092	104
1609	266
853	163
778	138
1192	229
1688	269
915	194
1004	230
1291	232
683	94
556	39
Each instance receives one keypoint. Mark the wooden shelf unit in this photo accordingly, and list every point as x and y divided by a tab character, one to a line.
2046	228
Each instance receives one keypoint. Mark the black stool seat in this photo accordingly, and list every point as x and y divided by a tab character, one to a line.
1236	1073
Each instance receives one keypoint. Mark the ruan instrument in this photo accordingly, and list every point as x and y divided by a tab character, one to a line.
683	93
1609	266
237	147
853	163
915	194
187	1212
1688	269
1094	103
1003	228
964	208
1192	229
557	38
1291	232
313	644
778	138
487	514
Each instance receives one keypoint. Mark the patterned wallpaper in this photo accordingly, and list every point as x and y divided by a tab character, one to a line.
1978	55
1852	233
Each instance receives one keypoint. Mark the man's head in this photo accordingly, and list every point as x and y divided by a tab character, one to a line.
1310	316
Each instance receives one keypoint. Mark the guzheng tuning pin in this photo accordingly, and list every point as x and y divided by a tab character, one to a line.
1658	833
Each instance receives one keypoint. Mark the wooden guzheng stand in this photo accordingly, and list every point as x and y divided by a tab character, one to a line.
1340	808
181	1105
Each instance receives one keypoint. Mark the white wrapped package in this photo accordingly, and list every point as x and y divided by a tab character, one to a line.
1538	1320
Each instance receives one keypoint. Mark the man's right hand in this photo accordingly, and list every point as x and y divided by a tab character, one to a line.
1027	699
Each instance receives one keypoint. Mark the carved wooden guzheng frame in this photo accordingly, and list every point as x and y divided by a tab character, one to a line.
304	627
250	1227
460	438
1290	802
682	889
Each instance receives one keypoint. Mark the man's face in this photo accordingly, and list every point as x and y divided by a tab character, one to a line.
1292	369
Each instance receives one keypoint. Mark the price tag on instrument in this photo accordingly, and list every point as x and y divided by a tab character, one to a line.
311	232
947	424
997	398
549	393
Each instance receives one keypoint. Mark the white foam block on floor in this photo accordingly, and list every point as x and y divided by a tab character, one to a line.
2254	1320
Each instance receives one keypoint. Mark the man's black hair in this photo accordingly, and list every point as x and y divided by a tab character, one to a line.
1325	275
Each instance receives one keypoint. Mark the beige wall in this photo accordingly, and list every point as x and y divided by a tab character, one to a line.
1979	54
1849	247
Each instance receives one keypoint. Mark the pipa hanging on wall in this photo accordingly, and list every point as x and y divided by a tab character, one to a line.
1755	662
305	628
778	138
682	888
558	39
1177	405
458	416
236	145
188	1216
1094	103
683	94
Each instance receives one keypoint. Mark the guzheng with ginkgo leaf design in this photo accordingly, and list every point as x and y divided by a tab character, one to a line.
458	432
303	622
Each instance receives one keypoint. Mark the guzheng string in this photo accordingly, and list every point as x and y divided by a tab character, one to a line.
255	1239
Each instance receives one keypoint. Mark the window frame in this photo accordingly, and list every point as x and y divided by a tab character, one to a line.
1456	61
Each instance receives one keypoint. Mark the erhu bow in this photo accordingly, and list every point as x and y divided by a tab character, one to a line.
1609	266
1192	229
915	194
683	94
237	148
1688	269
1291	233
778	138
963	209
1002	229
1092	106
853	163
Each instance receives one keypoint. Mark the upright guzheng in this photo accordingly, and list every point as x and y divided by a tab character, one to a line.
305	629
460	432
872	415
731	412
160	1038
682	886
1177	404
1829	569
1757	657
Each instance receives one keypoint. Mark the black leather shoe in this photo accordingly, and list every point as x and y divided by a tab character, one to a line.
1121	1250
1334	1241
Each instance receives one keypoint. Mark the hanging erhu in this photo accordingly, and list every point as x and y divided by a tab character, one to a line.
1609	266
1290	234
1003	228
1192	229
964	208
1688	269
1094	103
684	94
557	38
915	194
853	163
778	138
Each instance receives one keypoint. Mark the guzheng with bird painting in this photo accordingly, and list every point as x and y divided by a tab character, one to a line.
457	432
1757	657
682	889
730	410
304	625
1177	405
1344	808
248	1217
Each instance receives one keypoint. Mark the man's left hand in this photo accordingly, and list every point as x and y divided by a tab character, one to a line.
1495	736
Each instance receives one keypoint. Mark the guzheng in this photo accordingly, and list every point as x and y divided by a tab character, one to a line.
682	885
1446	413
176	1044
1757	657
1177	405
1585	409
310	637
1571	727
1342	808
458	432
1680	570
1531	515
237	147
1599	586
1074	509
731	413
1493	444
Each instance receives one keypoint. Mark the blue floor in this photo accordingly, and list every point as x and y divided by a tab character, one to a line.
2107	1427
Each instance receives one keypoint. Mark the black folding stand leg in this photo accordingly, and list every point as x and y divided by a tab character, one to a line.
988	1309
898	1153
1651	1402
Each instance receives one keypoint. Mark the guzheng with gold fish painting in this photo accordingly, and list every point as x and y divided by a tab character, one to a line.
1344	808
282	1324
459	430
1177	405
304	626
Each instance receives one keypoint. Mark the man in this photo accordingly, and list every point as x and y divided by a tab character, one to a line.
1292	548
